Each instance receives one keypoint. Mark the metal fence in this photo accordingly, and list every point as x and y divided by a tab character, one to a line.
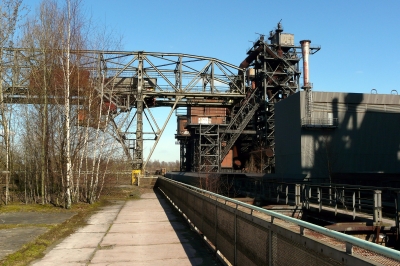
249	235
357	200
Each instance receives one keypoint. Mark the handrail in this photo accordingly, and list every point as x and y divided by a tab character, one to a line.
390	253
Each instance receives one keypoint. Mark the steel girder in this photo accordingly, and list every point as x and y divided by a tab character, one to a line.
130	81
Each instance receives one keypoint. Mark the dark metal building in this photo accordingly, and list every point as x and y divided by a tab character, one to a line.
349	137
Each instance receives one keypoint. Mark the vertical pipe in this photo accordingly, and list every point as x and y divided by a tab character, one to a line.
305	49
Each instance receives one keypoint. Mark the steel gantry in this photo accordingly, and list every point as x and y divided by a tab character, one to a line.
130	82
133	83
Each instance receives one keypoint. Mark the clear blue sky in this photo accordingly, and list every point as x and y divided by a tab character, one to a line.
360	40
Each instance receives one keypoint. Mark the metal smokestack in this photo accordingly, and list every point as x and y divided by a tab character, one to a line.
305	47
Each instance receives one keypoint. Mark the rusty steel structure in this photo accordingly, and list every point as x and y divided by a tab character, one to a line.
228	109
126	82
270	72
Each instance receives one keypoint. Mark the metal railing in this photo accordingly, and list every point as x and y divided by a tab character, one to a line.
319	122
355	200
246	234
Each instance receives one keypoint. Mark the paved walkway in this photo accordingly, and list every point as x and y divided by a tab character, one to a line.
137	232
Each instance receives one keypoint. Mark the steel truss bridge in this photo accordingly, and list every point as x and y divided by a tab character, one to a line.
136	82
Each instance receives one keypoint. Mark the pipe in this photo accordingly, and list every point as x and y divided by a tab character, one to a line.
253	55
235	155
305	48
250	58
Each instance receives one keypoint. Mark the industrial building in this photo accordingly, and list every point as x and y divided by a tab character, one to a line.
239	133
349	138
288	129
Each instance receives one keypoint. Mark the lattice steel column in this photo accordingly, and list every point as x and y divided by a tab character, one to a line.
138	155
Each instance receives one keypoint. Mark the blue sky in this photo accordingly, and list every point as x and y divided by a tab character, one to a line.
360	40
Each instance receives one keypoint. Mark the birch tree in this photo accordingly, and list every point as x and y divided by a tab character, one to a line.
69	147
9	17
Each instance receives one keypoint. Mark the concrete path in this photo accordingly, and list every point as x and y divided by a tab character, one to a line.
137	232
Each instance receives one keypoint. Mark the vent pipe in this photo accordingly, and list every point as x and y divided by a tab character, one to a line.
305	48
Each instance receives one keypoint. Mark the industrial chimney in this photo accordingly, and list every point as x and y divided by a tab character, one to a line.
305	48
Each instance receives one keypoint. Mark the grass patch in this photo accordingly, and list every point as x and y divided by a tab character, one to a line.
21	207
11	226
36	249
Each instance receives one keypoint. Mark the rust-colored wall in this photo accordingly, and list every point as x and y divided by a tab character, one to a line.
228	160
182	131
215	115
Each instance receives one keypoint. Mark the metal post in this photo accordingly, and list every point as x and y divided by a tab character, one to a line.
277	194
309	197
349	248
354	205
235	250
377	207
270	246
320	198
297	195
216	228
287	194
336	200
397	214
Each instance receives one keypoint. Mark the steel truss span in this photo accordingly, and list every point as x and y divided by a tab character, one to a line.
125	82
226	112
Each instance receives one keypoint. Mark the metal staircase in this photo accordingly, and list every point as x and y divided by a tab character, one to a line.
209	148
238	123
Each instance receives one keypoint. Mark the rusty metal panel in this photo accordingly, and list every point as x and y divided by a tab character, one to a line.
207	115
228	160
218	120
182	122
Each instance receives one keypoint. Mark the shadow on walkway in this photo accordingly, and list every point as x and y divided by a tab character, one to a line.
196	249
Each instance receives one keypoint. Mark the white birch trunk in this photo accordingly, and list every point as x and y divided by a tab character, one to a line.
67	111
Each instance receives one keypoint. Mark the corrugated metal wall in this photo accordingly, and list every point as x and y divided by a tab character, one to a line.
367	138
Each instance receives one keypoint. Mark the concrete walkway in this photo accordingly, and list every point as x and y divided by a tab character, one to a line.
137	232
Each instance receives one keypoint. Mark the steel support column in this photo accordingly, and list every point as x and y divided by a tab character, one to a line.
138	155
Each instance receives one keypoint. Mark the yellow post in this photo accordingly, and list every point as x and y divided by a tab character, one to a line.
135	176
